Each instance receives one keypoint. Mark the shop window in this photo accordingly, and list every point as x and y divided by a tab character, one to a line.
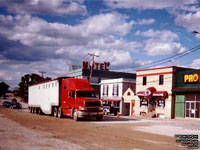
161	103
115	89
143	102
161	79
144	82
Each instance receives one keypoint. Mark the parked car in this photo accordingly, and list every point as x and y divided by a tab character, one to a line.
12	104
7	104
106	110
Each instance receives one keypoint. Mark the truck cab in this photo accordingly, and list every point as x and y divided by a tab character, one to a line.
78	99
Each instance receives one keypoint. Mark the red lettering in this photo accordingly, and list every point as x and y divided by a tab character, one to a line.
101	66
107	65
97	65
85	64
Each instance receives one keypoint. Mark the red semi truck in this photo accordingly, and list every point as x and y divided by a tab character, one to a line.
64	96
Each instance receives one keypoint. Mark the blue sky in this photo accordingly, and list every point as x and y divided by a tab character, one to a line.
50	35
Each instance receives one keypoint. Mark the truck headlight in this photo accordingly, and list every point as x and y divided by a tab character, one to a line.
82	108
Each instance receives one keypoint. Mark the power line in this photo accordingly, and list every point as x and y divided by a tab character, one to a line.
179	55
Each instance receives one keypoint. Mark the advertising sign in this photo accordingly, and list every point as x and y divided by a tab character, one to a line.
192	78
97	66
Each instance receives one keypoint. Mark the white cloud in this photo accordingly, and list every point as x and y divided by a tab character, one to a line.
35	31
190	21
51	47
146	21
147	4
111	23
53	7
161	42
196	64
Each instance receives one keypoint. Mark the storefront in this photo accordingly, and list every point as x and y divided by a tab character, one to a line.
154	88
187	91
152	100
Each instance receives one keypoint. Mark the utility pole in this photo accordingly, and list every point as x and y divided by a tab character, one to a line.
92	65
42	73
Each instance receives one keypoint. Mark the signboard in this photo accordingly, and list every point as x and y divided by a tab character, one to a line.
192	78
97	66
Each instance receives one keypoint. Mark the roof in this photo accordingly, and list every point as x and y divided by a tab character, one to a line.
182	68
101	73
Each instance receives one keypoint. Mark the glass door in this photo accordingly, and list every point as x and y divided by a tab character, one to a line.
190	110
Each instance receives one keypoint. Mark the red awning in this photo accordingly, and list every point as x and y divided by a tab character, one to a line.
110	100
148	92
160	93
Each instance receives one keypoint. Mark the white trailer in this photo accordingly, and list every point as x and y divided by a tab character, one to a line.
44	96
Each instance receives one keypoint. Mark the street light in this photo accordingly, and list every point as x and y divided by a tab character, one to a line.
195	32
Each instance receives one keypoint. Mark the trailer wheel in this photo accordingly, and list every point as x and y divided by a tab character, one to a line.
75	115
30	109
55	112
40	111
60	114
34	110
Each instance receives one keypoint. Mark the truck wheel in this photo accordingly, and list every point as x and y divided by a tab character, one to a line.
99	118
60	114
75	115
55	112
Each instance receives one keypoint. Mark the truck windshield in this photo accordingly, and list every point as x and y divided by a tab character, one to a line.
85	94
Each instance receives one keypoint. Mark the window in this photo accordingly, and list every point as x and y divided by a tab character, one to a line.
144	82
105	89
99	80
115	89
69	95
161	79
129	94
85	94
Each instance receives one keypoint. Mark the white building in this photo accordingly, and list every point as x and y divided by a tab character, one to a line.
112	90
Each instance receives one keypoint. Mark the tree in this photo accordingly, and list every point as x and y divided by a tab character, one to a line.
3	88
26	81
